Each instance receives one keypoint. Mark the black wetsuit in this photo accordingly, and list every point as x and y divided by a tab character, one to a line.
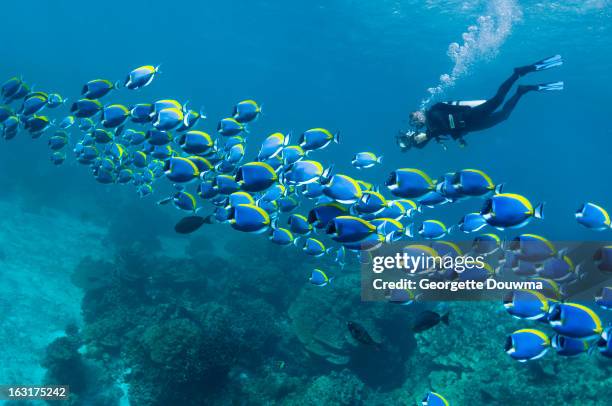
457	120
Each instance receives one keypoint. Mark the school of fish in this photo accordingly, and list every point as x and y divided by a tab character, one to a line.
344	216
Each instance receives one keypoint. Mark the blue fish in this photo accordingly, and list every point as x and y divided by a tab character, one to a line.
593	216
526	304
226	184
349	229
343	189
317	138
182	170
604	298
85	108
292	153
314	248
299	224
246	111
532	247
409	183
229	127
568	346
474	182
272	146
168	119
365	160
114	115
281	236
195	142
320	215
141	77
527	344
434	399
97	88
603	258
560	269
142	113
509	210
319	278
207	190
305	172
574	320
256	176
431	230
604	343
249	218
486	244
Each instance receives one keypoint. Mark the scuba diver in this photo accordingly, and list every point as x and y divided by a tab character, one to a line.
457	118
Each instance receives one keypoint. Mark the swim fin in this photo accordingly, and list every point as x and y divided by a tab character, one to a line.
541	87
548	63
550	86
544	64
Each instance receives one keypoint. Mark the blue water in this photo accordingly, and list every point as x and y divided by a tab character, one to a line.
358	67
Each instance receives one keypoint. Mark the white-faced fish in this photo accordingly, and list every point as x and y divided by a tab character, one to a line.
593	216
141	77
409	183
246	111
509	210
527	344
365	160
